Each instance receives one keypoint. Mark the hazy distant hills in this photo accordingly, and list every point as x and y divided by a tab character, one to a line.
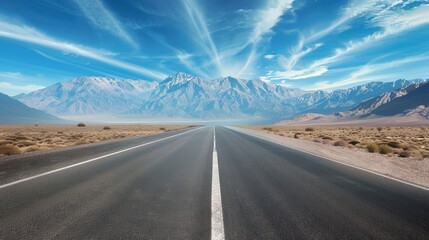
392	103
184	95
409	104
344	99
14	112
89	95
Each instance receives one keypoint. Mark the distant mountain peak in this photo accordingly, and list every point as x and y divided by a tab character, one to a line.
180	77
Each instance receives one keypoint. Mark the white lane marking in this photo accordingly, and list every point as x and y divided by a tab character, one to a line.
332	160
90	160
217	230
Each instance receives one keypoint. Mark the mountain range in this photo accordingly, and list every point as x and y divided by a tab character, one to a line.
409	104
14	112
187	96
89	95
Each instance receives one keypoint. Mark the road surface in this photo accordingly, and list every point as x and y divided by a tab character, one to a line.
180	185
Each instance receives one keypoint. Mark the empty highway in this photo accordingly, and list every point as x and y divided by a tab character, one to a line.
201	183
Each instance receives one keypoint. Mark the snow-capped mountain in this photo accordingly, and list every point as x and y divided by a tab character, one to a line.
407	105
184	95
344	99
89	95
188	96
367	107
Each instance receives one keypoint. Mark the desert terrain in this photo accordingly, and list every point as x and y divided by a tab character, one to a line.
312	119
407	142
18	139
399	152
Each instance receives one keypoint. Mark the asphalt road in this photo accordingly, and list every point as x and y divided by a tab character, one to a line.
163	187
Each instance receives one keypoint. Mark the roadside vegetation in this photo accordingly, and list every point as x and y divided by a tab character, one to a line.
22	139
405	142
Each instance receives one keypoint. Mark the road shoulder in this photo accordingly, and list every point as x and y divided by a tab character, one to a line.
412	171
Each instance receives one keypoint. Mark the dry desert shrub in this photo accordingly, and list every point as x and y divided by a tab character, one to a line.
25	143
405	154
384	149
341	143
9	149
372	147
309	129
398	139
32	149
4	142
81	125
394	144
107	128
30	138
16	137
80	142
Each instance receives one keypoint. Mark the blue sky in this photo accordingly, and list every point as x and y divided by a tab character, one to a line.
310	44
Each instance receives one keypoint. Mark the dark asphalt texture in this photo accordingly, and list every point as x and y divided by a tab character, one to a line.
163	191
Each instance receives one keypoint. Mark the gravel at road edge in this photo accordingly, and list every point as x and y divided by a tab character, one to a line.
411	170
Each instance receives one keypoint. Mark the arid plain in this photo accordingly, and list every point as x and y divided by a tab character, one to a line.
18	139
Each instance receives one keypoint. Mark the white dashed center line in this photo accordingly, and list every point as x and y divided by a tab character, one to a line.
217	216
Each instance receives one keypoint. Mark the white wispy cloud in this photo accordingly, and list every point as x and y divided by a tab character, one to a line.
12	89
392	22
268	17
90	69
270	56
257	27
371	72
297	54
265	20
390	16
31	35
353	9
100	17
186	59
52	58
198	22
296	74
10	74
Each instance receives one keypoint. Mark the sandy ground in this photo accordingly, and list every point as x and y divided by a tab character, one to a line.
18	139
410	142
331	120
409	169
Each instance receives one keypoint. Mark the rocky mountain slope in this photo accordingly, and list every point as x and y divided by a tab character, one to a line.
415	101
408	105
14	112
89	95
344	99
186	95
